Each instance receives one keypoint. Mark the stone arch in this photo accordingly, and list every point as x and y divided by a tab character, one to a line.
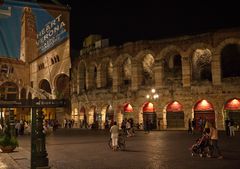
203	111
127	110
23	93
29	95
171	60
83	117
74	79
140	55
174	115
123	69
120	59
61	83
232	111
199	45
9	91
45	85
229	60
149	116
92	76
201	56
147	59
222	44
82	76
169	50
106	73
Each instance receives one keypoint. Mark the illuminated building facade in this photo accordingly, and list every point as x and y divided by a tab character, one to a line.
34	55
194	76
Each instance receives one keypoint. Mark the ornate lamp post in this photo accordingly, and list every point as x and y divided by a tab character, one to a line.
153	95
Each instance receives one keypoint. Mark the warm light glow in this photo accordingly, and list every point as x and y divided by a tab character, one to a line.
155	96
233	105
150	105
147	96
153	90
175	102
174	107
204	103
235	102
128	108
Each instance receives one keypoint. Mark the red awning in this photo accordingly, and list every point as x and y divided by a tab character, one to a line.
233	104
148	107
203	105
128	108
174	107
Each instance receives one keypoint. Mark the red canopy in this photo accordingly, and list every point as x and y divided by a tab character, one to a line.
148	107
203	105
128	108
174	107
233	104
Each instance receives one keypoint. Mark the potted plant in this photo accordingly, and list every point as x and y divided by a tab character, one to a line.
7	142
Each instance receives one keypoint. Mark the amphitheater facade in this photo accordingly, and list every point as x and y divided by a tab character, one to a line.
194	77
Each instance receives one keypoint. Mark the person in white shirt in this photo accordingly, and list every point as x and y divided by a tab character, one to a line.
114	136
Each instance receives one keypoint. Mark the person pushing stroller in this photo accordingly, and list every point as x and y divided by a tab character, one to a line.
202	145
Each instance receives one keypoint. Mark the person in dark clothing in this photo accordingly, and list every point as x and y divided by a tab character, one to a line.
189	126
193	125
227	127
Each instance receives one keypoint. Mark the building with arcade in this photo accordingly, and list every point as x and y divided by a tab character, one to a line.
192	77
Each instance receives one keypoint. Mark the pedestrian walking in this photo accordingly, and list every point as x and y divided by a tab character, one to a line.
227	127
189	126
214	142
114	136
231	127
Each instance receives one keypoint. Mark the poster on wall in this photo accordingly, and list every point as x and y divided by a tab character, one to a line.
19	21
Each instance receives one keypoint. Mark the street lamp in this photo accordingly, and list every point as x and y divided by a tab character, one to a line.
153	95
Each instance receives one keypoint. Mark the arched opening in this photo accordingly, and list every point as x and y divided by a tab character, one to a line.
230	59
201	65
147	64
127	111
232	110
9	91
30	95
203	111
62	87
175	115
172	66
127	73
45	85
109	75
149	116
82	77
83	118
23	93
95	78
109	116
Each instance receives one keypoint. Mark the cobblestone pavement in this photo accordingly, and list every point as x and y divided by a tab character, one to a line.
82	149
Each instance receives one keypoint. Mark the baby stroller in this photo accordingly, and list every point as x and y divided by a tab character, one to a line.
121	142
202	146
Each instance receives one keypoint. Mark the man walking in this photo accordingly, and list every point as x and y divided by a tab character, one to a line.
114	136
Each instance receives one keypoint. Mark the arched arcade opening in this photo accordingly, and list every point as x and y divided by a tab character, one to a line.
203	111
174	115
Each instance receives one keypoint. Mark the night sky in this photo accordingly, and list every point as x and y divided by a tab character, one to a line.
132	20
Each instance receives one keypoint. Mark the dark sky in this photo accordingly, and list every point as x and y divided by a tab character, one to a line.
132	20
